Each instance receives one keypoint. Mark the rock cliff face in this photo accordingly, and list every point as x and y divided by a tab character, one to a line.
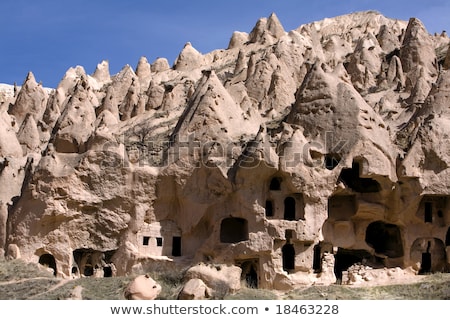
291	154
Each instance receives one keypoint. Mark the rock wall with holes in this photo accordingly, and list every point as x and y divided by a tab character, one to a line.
291	154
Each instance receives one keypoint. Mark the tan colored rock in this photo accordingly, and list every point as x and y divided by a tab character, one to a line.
101	73
188	59
160	65
195	289
142	288
263	165
220	278
31	99
13	252
417	52
144	72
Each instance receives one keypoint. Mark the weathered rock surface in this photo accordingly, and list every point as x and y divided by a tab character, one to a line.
195	289
142	288
289	156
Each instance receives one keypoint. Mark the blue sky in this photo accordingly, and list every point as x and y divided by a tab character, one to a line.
48	37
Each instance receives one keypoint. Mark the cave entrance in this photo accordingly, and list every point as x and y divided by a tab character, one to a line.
233	230
345	258
288	253
176	246
425	266
385	238
107	272
317	259
249	272
431	254
275	184
48	261
447	238
352	180
88	270
426	263
289	209
269	208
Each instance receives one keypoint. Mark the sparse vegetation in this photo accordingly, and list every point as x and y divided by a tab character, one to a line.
171	282
21	281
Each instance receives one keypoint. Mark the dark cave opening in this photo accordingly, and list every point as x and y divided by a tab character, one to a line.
49	261
385	238
275	184
345	258
351	179
289	209
233	230
288	253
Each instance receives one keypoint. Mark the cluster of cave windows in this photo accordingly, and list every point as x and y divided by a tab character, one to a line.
158	242
288	258
386	240
87	262
292	207
146	241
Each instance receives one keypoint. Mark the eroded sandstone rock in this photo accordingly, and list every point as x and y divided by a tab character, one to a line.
283	160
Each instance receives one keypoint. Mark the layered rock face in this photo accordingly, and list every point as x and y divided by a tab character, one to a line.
292	155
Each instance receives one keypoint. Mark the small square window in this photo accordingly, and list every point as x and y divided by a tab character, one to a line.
145	241
159	242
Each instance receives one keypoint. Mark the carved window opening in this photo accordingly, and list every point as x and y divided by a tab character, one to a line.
275	184
269	208
176	246
289	209
74	271
159	242
447	238
145	241
385	238
49	261
317	259
288	253
233	230
428	212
